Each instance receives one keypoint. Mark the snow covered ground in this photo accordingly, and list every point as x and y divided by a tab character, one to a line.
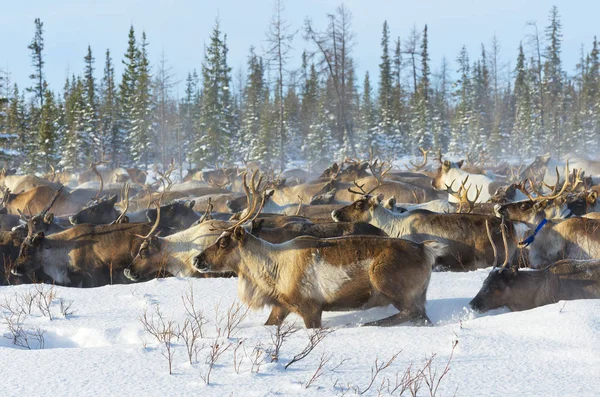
102	349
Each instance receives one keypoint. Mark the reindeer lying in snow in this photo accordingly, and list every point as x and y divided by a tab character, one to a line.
308	275
523	290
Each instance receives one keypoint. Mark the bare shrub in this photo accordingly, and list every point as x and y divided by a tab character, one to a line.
314	338
376	369
14	318
431	378
237	363
281	333
236	313
319	371
190	333
65	307
216	350
195	315
256	357
44	299
409	382
164	331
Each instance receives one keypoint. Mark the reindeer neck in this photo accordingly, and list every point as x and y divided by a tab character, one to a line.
536	288
262	260
391	223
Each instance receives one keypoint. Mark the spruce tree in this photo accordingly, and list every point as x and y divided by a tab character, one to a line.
368	118
253	96
76	142
37	61
111	139
385	134
46	153
127	99
212	143
422	116
141	136
90	113
13	127
522	137
553	85
309	110
462	134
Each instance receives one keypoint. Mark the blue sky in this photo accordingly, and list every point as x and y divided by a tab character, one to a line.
181	27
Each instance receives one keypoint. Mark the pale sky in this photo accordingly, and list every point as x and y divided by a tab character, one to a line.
181	27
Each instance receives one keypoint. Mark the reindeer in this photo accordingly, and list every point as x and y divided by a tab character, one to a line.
523	290
84	256
448	173
36	200
405	192
573	238
308	275
292	230
552	206
463	234
174	254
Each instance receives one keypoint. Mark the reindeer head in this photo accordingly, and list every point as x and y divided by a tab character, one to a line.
29	259
103	211
178	215
225	254
144	257
359	211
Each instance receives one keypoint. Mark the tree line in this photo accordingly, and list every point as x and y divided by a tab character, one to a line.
275	112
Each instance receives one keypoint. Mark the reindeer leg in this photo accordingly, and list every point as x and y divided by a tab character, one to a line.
278	314
418	318
312	317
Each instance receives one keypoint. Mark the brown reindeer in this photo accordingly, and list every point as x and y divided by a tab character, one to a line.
307	275
84	256
523	290
292	230
36	200
463	234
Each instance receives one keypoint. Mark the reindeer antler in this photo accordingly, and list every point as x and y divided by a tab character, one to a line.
489	234
418	167
254	205
155	226
166	176
207	214
125	194
503	231
94	168
463	195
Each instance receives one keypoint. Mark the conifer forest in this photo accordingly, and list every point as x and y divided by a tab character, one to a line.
278	111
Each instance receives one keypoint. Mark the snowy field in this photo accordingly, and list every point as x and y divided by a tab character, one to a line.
102	348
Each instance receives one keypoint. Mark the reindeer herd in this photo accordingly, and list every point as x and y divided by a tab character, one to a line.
359	234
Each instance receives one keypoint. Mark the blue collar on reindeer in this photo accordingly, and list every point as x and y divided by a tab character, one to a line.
530	239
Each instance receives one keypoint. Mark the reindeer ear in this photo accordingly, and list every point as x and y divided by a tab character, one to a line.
391	202
113	199
190	204
377	199
257	225
592	197
239	233
364	166
446	164
460	163
269	193
49	217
